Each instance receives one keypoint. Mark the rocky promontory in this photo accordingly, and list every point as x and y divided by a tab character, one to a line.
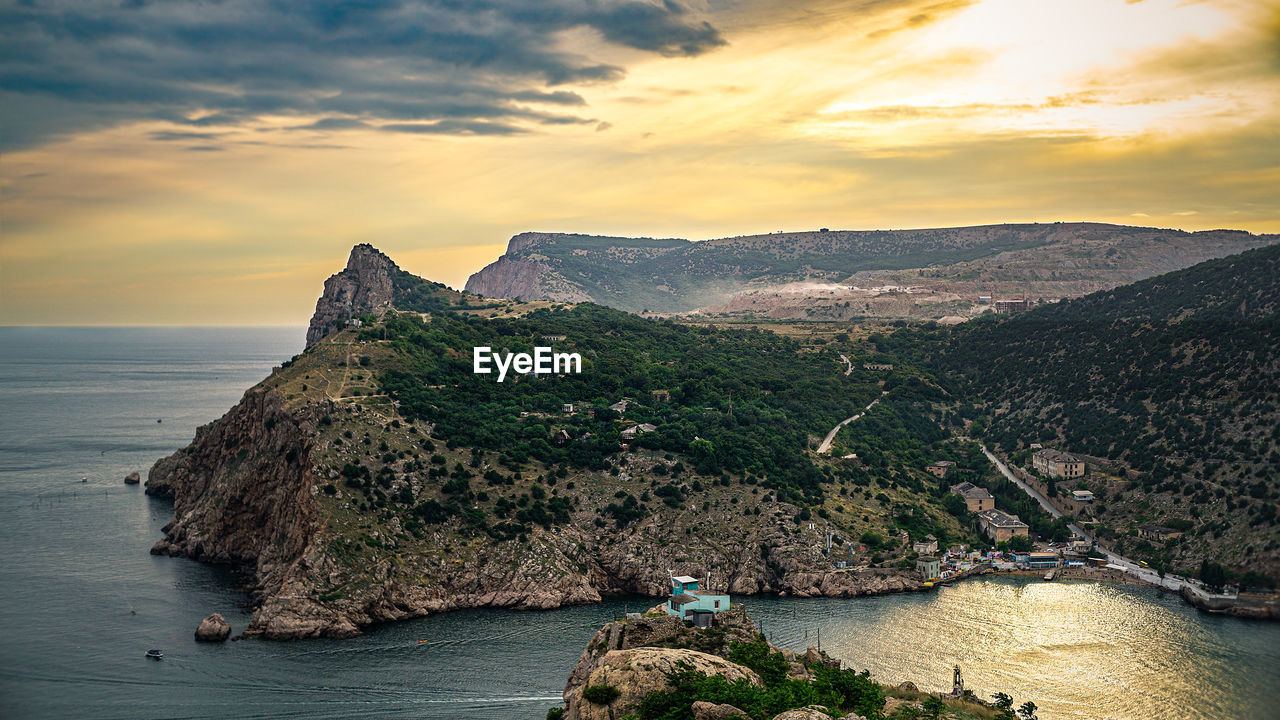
657	665
365	286
344	510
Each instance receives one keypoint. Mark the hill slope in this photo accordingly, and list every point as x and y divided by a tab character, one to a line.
841	274
1175	380
376	477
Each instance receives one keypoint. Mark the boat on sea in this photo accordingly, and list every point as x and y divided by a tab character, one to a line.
155	654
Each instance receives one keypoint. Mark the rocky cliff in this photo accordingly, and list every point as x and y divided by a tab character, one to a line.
242	491
263	488
365	286
839	275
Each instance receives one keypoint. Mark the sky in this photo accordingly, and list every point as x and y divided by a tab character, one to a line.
211	163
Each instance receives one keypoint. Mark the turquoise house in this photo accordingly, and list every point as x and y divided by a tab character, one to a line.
690	603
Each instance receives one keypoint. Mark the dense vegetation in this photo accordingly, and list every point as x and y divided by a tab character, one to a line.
1175	381
836	689
742	402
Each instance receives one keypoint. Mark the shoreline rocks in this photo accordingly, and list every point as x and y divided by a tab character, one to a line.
133	478
214	628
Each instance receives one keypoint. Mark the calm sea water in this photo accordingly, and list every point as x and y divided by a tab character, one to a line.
74	568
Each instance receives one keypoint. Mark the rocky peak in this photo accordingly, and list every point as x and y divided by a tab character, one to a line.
526	240
364	286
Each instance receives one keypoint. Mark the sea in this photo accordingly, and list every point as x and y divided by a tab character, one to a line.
82	600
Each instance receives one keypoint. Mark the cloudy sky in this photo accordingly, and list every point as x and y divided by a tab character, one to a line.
212	162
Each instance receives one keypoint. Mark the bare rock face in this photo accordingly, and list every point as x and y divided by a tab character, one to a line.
214	628
365	286
711	711
242	491
132	478
637	673
656	627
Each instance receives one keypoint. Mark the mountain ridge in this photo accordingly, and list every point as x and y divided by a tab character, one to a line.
839	274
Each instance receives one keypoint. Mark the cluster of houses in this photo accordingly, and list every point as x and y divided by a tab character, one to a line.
628	434
998	525
954	561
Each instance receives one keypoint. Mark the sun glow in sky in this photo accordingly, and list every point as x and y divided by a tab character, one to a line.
220	177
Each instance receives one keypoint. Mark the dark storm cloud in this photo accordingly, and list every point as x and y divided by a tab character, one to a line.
471	67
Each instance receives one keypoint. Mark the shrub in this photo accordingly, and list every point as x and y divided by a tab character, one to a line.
600	694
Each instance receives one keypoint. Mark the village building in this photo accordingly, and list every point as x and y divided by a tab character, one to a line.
690	603
554	338
620	406
1000	526
929	566
661	396
1157	532
1082	495
1056	463
976	499
1011	306
927	546
1042	559
940	468
877	366
631	432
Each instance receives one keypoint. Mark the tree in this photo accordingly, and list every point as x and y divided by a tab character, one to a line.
1003	703
1028	710
1020	543
934	707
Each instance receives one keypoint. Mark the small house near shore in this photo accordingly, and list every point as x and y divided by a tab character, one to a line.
690	603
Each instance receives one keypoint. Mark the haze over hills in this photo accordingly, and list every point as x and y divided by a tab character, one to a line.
840	275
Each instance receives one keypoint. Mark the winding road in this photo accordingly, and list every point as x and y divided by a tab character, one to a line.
1172	582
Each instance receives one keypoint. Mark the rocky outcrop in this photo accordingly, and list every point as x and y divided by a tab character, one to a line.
365	286
637	673
805	713
627	660
712	711
657	628
214	628
132	478
242	491
849	583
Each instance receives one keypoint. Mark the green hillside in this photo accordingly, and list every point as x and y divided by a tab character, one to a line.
1174	380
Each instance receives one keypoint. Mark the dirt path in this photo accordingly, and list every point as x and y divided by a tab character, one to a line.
825	447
